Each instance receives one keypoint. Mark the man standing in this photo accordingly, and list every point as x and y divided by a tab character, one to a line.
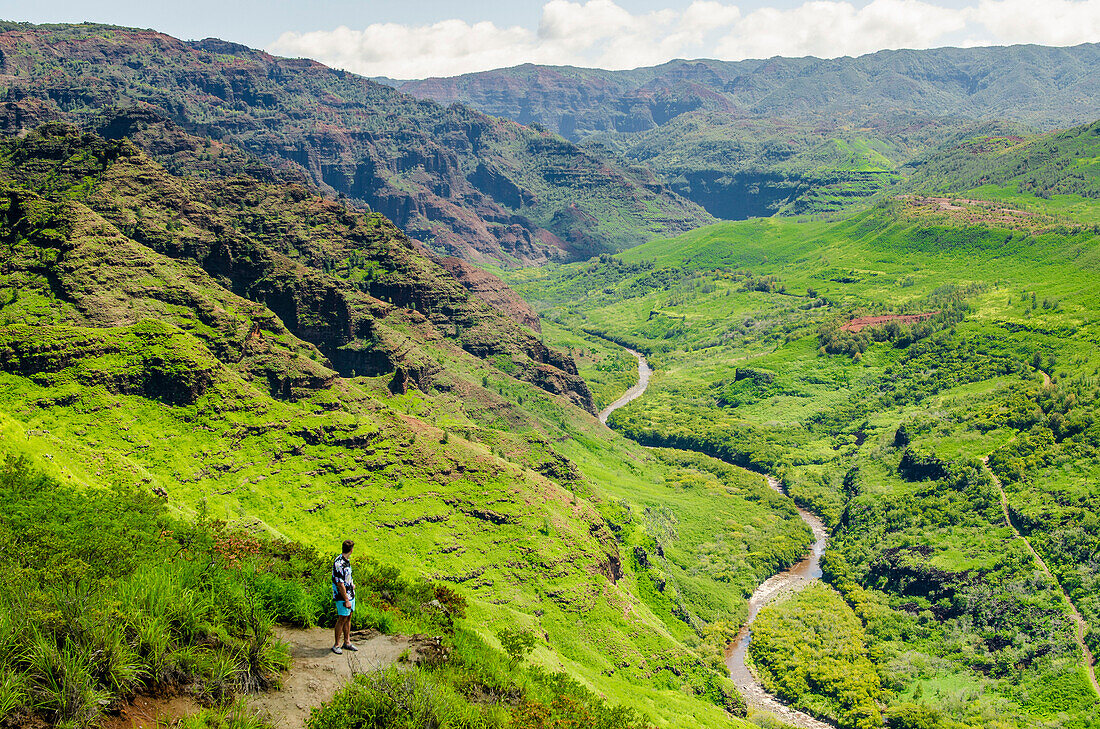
343	592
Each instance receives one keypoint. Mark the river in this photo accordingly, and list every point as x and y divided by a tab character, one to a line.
785	583
644	371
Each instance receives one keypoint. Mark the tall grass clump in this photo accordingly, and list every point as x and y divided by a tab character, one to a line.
103	595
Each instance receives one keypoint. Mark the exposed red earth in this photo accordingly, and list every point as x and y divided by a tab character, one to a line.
862	322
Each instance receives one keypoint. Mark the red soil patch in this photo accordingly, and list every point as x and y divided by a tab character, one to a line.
146	712
861	323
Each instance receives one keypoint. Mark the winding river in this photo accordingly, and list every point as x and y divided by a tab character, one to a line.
644	371
785	583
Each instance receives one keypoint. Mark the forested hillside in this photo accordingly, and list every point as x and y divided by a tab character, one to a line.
1056	163
456	179
789	135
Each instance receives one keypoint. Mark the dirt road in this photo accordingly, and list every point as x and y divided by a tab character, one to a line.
1079	622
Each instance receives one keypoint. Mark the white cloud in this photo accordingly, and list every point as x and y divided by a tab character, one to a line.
387	49
1049	22
602	33
828	29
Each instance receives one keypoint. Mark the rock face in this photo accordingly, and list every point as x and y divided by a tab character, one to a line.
285	286
464	183
492	291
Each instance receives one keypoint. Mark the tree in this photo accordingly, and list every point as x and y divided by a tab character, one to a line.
516	643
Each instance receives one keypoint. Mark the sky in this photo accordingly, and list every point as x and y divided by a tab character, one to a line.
421	38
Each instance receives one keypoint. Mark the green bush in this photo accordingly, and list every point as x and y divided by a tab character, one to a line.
516	643
392	699
103	595
912	716
232	716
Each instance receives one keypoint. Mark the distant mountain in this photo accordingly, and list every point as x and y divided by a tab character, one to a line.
1037	85
464	183
794	135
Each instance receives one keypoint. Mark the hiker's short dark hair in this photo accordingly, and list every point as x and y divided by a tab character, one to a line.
348	544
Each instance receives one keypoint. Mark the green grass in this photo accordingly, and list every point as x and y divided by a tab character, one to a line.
734	318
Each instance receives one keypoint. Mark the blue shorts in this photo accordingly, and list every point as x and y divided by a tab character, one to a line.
342	610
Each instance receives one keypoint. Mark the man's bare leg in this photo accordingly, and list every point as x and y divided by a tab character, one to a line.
341	620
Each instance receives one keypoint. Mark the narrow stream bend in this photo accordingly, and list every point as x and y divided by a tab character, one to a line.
787	582
644	371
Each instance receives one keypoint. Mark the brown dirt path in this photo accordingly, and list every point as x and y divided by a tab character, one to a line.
316	673
1079	622
147	712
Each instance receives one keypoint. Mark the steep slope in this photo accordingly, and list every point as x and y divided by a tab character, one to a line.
456	179
791	135
273	244
1056	163
262	355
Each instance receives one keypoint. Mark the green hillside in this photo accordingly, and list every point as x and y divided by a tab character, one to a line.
738	168
460	181
296	369
881	432
1054	174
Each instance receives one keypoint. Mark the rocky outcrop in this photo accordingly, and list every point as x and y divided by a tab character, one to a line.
150	359
342	287
492	291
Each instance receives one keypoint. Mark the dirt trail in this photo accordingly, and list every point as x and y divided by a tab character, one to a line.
145	712
1079	622
316	673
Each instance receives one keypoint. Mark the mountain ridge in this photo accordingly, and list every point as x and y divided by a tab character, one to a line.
794	136
462	182
761	79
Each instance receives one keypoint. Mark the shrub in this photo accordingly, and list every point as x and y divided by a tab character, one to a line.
912	716
516	643
391	699
130	599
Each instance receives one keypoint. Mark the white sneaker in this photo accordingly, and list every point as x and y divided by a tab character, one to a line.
337	649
